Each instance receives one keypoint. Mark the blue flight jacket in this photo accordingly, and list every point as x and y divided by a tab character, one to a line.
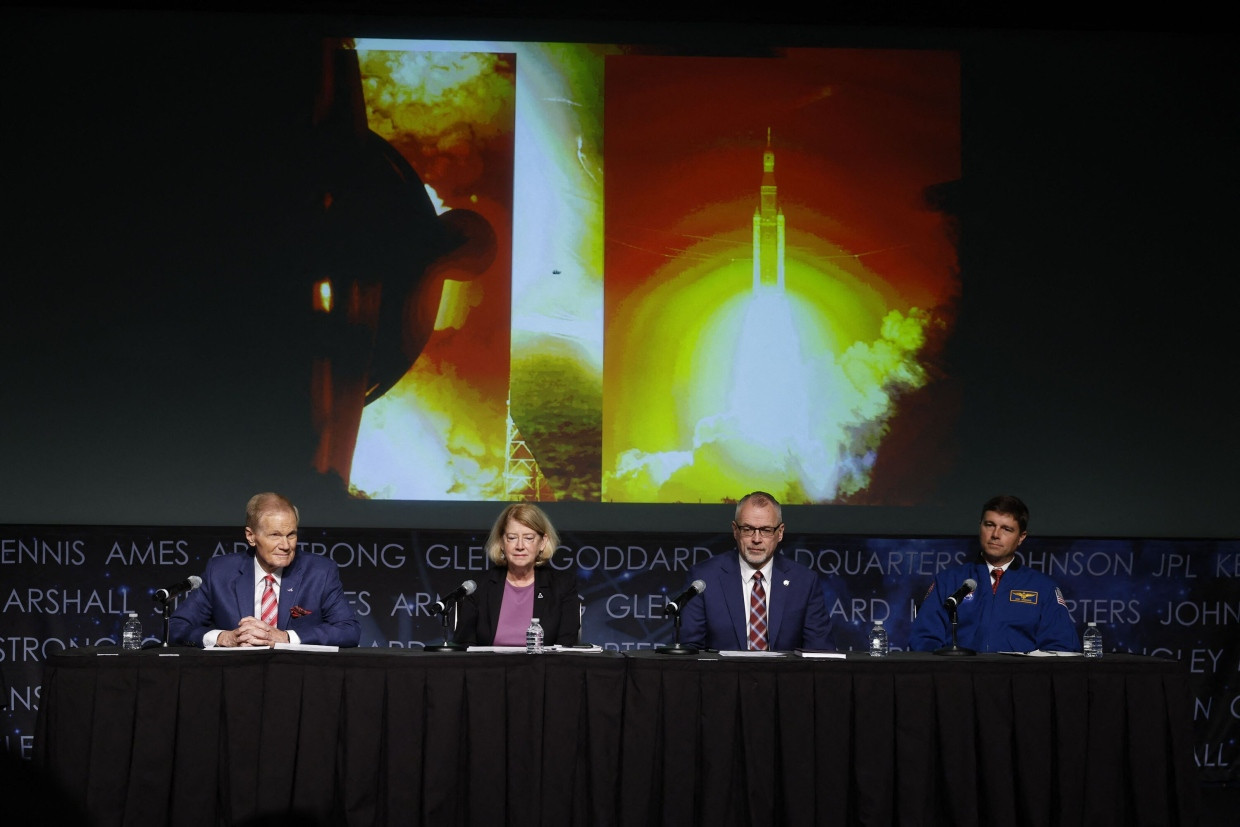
1027	613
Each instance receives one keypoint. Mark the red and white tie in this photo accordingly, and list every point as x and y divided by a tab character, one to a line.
270	610
757	614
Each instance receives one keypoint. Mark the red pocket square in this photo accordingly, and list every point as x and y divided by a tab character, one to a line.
298	611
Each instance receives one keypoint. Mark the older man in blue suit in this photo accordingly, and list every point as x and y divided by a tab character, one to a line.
269	595
756	599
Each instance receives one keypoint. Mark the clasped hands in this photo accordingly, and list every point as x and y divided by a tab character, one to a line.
252	632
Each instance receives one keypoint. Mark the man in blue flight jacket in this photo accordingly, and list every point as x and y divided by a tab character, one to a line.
1013	608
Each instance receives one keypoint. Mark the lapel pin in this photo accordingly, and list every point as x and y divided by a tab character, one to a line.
785	582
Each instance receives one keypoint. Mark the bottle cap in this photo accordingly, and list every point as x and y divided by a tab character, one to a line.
1091	623
533	620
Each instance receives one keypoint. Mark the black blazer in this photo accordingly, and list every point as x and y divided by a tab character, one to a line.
556	605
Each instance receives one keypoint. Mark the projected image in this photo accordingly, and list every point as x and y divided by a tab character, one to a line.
734	285
526	118
774	275
439	431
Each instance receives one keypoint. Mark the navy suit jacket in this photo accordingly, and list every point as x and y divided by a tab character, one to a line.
311	582
718	617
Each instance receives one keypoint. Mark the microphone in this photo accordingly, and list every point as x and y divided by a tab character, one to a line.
440	606
187	585
674	606
961	593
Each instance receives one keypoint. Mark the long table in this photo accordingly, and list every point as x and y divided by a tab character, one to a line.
911	740
182	736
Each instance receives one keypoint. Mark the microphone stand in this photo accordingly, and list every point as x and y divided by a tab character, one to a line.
676	648
447	645
163	604
954	649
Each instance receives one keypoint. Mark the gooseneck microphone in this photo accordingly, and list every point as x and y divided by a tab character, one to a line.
440	606
187	585
961	593
674	606
951	603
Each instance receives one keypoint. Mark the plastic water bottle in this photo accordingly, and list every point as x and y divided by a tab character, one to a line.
534	638
878	641
131	632
1093	641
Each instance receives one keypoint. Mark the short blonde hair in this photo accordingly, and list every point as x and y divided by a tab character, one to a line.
267	503
531	516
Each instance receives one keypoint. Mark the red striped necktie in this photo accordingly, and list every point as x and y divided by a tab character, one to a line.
270	604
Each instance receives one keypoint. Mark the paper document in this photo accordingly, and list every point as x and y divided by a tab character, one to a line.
745	653
549	650
292	647
307	647
1041	653
575	650
236	649
509	650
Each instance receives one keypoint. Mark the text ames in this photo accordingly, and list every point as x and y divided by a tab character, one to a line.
151	553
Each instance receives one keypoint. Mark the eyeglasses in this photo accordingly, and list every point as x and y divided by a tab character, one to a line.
762	530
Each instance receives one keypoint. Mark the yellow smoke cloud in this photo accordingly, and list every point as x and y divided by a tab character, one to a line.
432	436
733	389
445	101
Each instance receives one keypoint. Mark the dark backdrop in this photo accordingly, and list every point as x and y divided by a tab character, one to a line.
151	184
154	172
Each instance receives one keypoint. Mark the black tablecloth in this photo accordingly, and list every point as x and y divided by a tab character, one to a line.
373	737
358	737
910	739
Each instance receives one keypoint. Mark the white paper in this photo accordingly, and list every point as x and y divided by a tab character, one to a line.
237	649
501	649
575	650
552	650
307	647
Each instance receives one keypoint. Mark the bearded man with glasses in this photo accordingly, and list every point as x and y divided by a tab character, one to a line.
756	599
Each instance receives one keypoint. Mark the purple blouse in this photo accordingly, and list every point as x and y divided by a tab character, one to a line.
515	610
